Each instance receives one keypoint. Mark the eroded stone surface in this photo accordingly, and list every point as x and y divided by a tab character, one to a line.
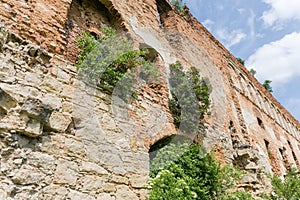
62	139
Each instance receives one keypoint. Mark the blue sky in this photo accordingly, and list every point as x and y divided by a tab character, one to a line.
265	33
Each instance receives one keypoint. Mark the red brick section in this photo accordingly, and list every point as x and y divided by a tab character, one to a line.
40	21
83	16
192	28
55	25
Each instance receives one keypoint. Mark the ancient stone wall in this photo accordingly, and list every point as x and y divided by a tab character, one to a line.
61	138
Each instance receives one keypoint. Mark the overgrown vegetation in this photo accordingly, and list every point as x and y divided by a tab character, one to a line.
252	71
267	85
287	189
109	59
179	5
241	61
190	98
193	175
183	170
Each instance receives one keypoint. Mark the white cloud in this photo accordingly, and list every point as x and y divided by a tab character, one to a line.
208	24
241	10
293	106
230	38
250	23
278	61
280	11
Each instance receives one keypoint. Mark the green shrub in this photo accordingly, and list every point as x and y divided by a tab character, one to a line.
110	59
184	171
190	98
179	5
241	61
252	71
287	189
267	85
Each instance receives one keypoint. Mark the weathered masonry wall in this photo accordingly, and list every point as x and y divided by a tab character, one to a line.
267	125
63	139
60	139
255	116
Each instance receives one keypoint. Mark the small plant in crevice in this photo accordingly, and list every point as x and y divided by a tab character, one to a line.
253	71
241	61
110	60
267	85
179	5
190	98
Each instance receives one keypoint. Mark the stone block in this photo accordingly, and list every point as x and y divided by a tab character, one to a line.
26	176
34	108
92	168
6	101
42	161
52	100
75	195
67	92
53	191
61	75
51	84
67	107
109	187
3	194
33	128
66	172
124	193
73	147
105	196
119	179
60	121
33	78
138	181
91	183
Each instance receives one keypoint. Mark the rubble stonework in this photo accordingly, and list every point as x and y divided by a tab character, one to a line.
63	139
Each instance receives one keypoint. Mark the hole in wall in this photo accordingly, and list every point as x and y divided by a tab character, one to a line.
293	153
151	53
163	8
88	16
267	144
2	113
282	152
260	122
294	156
166	141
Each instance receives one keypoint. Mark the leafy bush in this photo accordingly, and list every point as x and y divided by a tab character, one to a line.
287	189
193	175
267	85
110	59
178	5
252	71
190	98
241	61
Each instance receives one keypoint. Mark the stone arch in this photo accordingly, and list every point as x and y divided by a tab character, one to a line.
152	54
167	140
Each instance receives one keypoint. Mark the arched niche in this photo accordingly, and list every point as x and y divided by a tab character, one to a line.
87	16
167	140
